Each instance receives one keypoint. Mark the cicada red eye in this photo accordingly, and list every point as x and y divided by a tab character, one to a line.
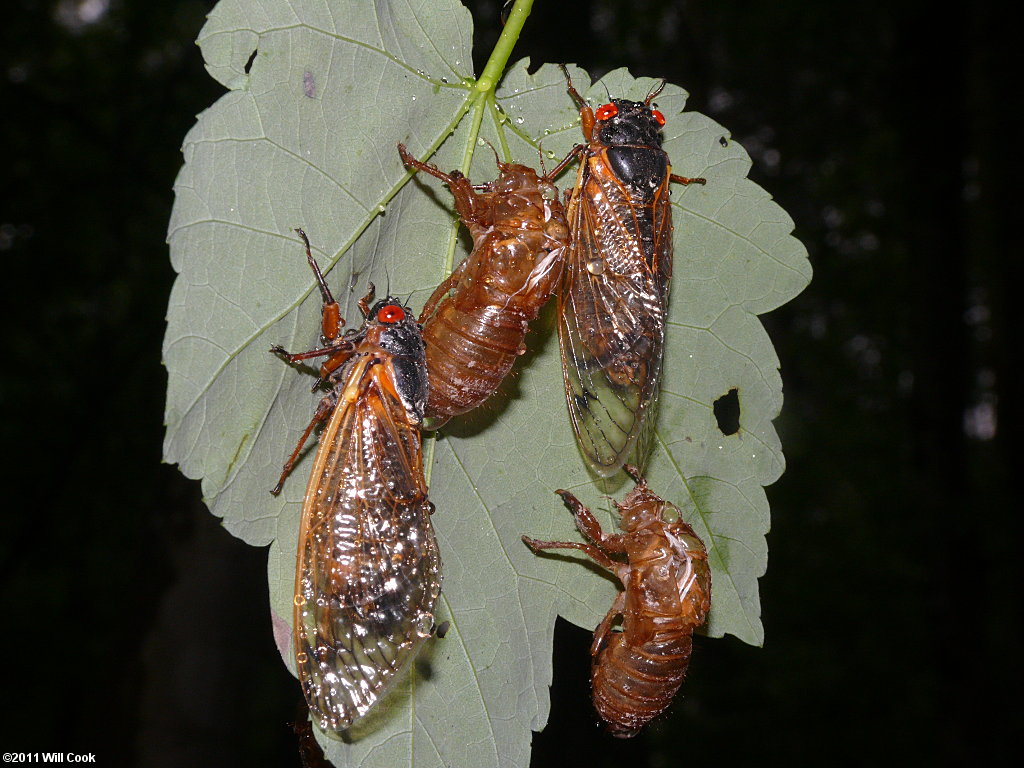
607	112
392	313
658	117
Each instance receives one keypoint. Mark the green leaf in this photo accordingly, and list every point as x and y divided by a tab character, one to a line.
307	138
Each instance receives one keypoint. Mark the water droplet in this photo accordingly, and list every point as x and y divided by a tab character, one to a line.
595	266
424	624
444	80
301	658
520	120
300	600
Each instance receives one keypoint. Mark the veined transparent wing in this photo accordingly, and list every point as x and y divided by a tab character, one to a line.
368	569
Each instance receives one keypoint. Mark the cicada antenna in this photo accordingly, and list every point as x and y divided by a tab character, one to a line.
497	158
655	90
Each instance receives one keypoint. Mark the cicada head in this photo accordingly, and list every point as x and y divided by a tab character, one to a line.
628	122
393	327
642	508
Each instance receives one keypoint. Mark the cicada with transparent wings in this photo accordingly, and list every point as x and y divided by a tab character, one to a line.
613	302
666	595
475	322
368	572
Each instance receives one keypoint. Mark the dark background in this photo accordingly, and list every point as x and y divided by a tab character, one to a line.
136	628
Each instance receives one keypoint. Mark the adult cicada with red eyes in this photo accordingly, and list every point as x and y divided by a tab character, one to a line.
613	303
475	322
666	595
368	572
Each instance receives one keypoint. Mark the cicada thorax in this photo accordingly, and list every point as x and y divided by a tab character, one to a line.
666	595
613	303
475	322
367	567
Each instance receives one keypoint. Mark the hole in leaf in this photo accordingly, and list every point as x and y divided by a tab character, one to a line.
252	58
727	412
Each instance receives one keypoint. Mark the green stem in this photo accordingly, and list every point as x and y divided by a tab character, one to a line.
499	128
493	70
503	49
479	105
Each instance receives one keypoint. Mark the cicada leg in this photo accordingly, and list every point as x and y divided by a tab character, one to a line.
577	150
442	291
589	526
586	113
687	179
340	351
590	550
330	321
618	606
323	412
365	302
459	185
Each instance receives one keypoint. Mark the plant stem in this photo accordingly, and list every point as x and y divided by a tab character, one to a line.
503	49
493	70
484	87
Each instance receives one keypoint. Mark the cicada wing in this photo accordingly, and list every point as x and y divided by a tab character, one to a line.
368	570
611	332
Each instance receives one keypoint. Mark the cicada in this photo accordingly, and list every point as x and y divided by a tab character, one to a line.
475	322
612	306
666	595
368	572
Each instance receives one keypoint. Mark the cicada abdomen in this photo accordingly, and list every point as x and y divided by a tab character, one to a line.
475	322
666	595
613	302
368	572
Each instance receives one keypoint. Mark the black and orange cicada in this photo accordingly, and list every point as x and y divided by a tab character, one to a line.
368	572
666	595
614	298
475	322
